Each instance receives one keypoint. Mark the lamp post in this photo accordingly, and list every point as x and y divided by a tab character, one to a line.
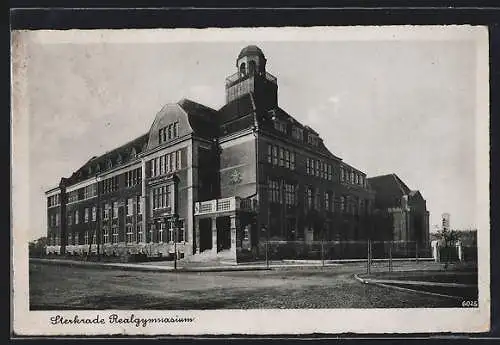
265	230
175	220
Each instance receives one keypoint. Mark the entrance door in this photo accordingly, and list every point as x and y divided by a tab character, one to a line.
205	234
223	233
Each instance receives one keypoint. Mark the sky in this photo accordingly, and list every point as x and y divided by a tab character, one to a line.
387	106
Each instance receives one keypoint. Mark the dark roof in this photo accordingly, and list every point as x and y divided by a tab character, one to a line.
203	120
117	156
251	50
388	190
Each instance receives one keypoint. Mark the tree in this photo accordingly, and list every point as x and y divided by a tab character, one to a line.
37	247
448	238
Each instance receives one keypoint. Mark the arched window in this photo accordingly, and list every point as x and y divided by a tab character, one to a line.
252	68
243	69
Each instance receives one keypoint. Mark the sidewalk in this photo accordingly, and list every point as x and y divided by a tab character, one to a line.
183	266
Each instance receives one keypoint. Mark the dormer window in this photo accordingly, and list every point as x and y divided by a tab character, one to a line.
298	133
312	139
280	126
109	164
89	170
119	159
133	152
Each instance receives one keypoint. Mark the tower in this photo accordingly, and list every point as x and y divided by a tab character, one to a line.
251	77
445	221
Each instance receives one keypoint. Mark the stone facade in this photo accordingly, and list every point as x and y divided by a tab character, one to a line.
235	177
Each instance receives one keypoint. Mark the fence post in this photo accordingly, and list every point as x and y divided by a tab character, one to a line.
368	259
390	256
322	254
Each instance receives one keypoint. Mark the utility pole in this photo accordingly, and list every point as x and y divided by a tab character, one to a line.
390	256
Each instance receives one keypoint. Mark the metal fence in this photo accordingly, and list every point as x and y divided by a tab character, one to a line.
344	250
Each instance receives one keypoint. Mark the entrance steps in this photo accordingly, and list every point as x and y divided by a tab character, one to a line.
224	257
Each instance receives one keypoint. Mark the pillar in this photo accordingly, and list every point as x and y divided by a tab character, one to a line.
235	222
214	234
197	234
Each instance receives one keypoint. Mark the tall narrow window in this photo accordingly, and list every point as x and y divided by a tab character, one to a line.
94	213
269	153
115	209
309	197
114	234
282	157
275	155
179	162
130	207
86	215
292	160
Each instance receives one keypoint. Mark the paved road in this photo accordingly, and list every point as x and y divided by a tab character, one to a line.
63	287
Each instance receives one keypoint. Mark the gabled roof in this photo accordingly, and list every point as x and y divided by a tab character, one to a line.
202	119
389	190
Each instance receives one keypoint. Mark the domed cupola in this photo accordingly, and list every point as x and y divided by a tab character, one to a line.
251	77
251	60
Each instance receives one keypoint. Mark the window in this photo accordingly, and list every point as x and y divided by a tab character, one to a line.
161	197
140	234
139	205
180	232
282	157
308	166
53	200
77	238
70	219
312	139
106	211
269	153
298	133
115	209
73	196
179	161
94	213
170	237
292	160
280	126
275	155
290	194
327	201
70	239
115	234
160	232
133	177
316	168
86	237
130	207
58	219
130	234
342	204
317	201
329	172
151	233
274	191
90	191
168	132
106	234
167	163
86	215
287	159
309	197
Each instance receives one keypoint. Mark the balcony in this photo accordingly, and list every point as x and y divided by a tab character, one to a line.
230	204
232	79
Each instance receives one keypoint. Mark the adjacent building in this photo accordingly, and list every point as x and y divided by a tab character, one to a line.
235	177
400	213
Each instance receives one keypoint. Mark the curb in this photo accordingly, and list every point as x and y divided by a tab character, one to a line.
371	282
145	268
